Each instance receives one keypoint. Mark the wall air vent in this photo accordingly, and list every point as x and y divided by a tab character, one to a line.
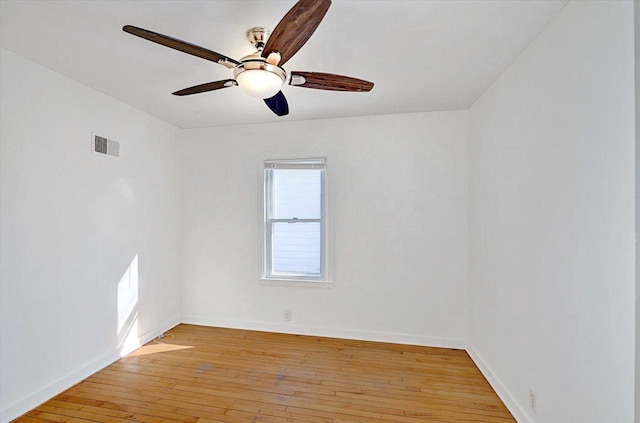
105	146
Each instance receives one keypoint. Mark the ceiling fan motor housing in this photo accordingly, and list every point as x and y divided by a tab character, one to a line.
257	76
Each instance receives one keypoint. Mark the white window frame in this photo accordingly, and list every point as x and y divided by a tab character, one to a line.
267	221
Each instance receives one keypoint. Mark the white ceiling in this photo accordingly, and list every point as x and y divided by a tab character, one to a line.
422	55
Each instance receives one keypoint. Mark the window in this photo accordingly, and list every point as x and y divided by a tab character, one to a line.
294	220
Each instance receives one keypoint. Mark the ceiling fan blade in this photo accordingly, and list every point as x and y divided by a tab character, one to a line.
209	86
295	28
182	46
329	81
278	104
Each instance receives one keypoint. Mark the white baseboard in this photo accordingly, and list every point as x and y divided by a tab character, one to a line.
397	338
63	383
505	395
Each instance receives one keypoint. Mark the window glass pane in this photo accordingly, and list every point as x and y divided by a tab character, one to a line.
296	248
297	193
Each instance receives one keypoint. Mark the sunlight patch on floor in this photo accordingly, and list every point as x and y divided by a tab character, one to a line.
158	348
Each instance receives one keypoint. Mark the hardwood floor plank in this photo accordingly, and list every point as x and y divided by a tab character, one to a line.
206	375
105	407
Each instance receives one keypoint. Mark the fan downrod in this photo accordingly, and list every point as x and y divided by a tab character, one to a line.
258	37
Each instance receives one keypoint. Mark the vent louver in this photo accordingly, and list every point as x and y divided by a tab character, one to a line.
106	146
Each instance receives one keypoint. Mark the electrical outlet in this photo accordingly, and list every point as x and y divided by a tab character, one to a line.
287	315
532	401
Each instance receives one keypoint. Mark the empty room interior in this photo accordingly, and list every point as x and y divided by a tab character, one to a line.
433	220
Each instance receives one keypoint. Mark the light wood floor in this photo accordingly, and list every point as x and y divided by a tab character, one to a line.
224	375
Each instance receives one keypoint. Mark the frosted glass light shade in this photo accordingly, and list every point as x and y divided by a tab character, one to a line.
259	83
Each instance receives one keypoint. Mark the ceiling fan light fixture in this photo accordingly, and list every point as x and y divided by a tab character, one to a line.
259	83
258	78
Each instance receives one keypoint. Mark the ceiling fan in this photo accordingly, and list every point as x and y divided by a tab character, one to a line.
261	74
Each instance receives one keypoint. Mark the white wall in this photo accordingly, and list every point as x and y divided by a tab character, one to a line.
636	16
398	217
72	224
552	246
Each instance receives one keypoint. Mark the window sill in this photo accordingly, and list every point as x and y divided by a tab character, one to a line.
301	283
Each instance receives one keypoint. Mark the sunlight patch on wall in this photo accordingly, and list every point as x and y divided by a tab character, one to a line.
127	313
